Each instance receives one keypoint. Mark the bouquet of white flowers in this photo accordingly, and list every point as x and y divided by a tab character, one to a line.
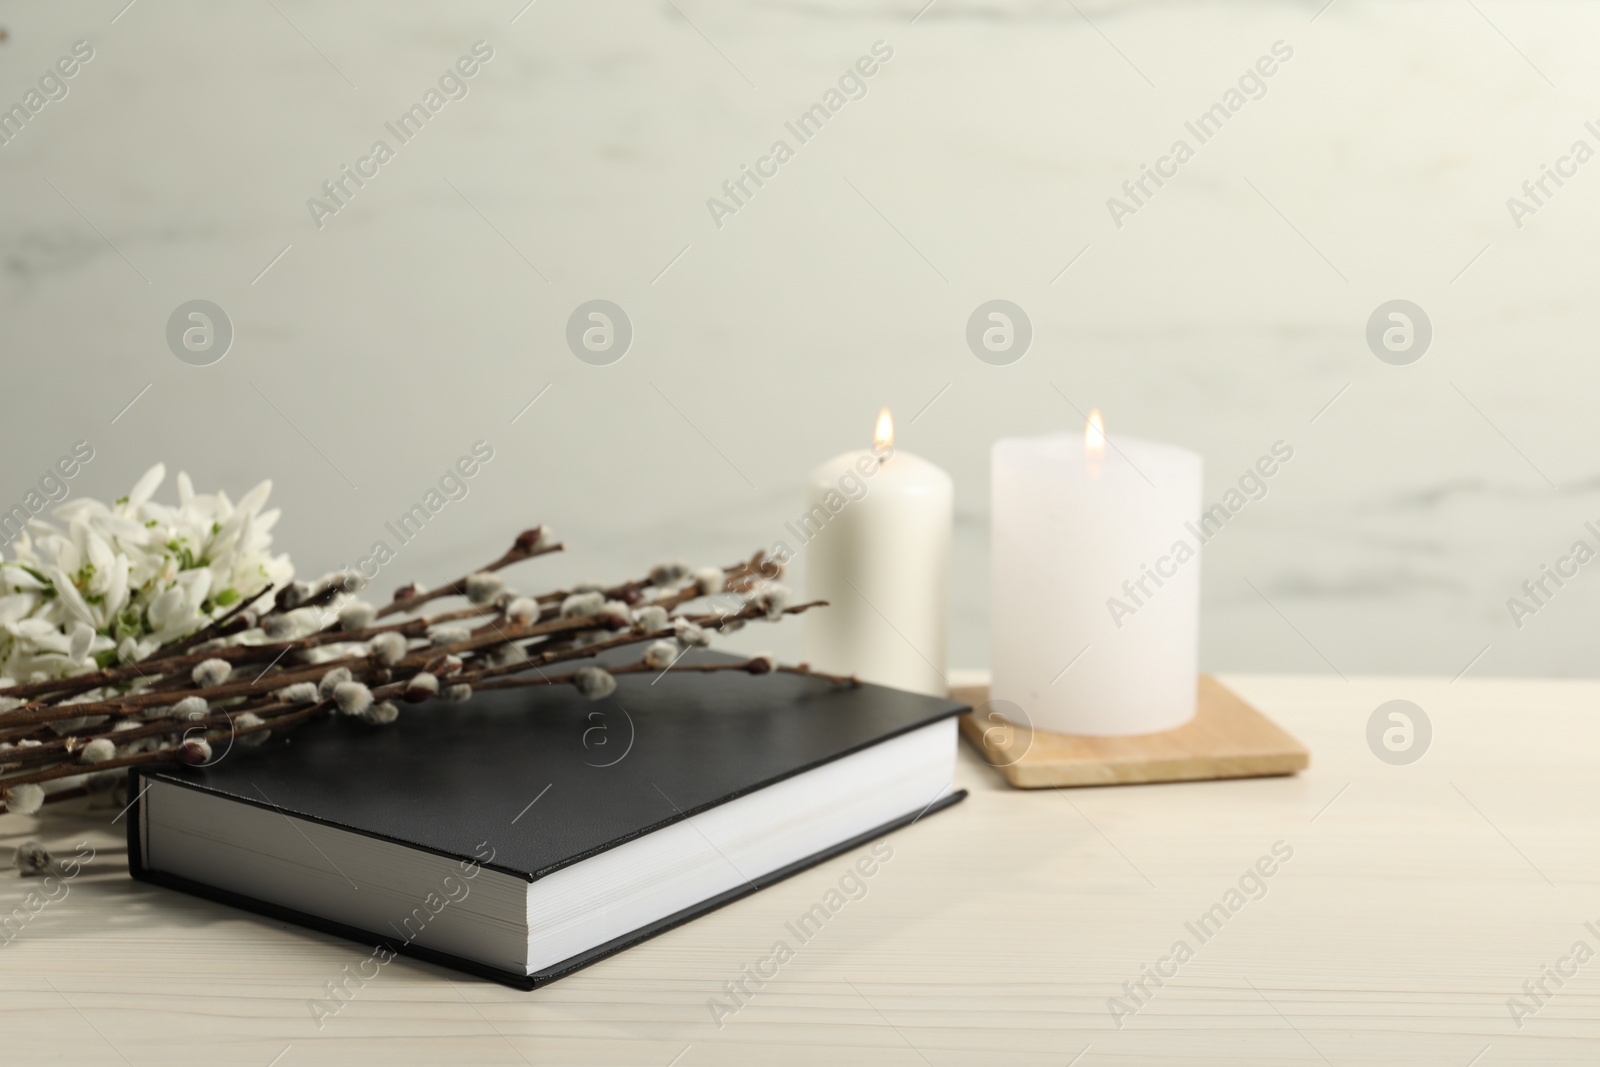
122	580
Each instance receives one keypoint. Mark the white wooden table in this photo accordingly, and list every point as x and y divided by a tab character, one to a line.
1418	900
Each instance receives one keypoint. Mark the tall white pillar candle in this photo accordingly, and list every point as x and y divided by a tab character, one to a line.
876	537
1096	582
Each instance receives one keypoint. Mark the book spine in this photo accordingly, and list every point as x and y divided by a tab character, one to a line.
133	813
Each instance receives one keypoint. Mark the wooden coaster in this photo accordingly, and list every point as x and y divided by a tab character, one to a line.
1227	738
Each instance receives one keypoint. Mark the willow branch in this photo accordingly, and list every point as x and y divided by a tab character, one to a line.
754	665
632	637
211	629
164	678
526	546
162	755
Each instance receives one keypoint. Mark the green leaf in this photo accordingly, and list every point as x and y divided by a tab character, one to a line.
35	574
106	658
186	560
226	597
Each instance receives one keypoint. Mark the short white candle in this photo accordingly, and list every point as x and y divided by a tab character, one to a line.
1096	595
876	539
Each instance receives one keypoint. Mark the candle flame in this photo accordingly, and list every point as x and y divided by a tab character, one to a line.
883	433
1094	436
1094	442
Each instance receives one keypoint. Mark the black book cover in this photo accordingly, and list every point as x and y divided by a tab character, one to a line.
445	777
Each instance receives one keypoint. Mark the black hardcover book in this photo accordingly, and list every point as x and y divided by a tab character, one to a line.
531	832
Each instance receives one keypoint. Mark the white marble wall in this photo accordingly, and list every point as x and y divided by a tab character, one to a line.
1223	316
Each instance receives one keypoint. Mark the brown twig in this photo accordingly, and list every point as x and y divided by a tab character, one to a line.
165	755
236	654
526	546
72	746
211	629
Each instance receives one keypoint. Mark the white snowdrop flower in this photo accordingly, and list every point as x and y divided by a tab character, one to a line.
773	599
458	694
357	615
389	647
332	680
660	655
299	693
710	580
668	572
484	587
191	708
78	644
523	610
128	651
195	752
421	686
25	799
616	611
98	751
450	635
380	714
211	672
762	663
579	605
352	698
690	634
650	618
594	683
31	859
246	720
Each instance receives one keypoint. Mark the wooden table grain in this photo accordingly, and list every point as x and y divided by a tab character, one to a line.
1018	927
